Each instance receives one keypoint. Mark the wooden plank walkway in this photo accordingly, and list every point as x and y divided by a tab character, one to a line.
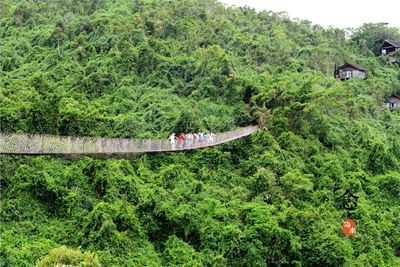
28	144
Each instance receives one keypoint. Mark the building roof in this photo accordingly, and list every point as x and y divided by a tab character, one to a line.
395	95
392	42
352	65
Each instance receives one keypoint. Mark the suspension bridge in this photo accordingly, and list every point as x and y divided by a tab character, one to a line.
39	144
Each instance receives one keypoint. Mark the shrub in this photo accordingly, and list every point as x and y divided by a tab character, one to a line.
64	256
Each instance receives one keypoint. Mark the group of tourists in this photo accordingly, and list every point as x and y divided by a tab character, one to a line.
190	139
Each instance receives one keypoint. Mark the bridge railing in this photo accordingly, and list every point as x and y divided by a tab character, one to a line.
11	143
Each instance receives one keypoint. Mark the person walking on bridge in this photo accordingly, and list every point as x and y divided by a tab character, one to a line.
172	138
181	139
211	138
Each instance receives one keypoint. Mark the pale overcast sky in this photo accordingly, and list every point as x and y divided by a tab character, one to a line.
337	13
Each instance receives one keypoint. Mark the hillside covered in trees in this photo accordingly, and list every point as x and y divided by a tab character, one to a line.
327	150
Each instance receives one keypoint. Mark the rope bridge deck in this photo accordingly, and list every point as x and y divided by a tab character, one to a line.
36	144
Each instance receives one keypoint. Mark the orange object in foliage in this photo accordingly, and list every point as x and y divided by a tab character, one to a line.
349	227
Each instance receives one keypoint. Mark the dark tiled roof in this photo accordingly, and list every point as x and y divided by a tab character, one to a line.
354	66
392	42
396	95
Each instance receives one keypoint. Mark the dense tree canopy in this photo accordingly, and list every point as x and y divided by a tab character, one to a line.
327	149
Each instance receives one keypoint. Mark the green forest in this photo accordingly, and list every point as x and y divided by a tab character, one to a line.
326	150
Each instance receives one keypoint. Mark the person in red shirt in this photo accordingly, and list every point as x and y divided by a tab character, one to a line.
181	139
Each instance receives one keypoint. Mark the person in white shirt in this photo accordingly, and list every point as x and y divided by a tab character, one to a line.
172	138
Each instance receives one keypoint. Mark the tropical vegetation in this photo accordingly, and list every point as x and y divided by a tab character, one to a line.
327	150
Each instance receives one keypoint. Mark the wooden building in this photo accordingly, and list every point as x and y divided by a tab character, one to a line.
388	47
349	70
393	102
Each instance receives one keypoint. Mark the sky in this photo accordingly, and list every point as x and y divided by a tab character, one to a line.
337	13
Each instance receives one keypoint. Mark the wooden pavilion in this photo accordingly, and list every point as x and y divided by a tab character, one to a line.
388	47
393	102
350	70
